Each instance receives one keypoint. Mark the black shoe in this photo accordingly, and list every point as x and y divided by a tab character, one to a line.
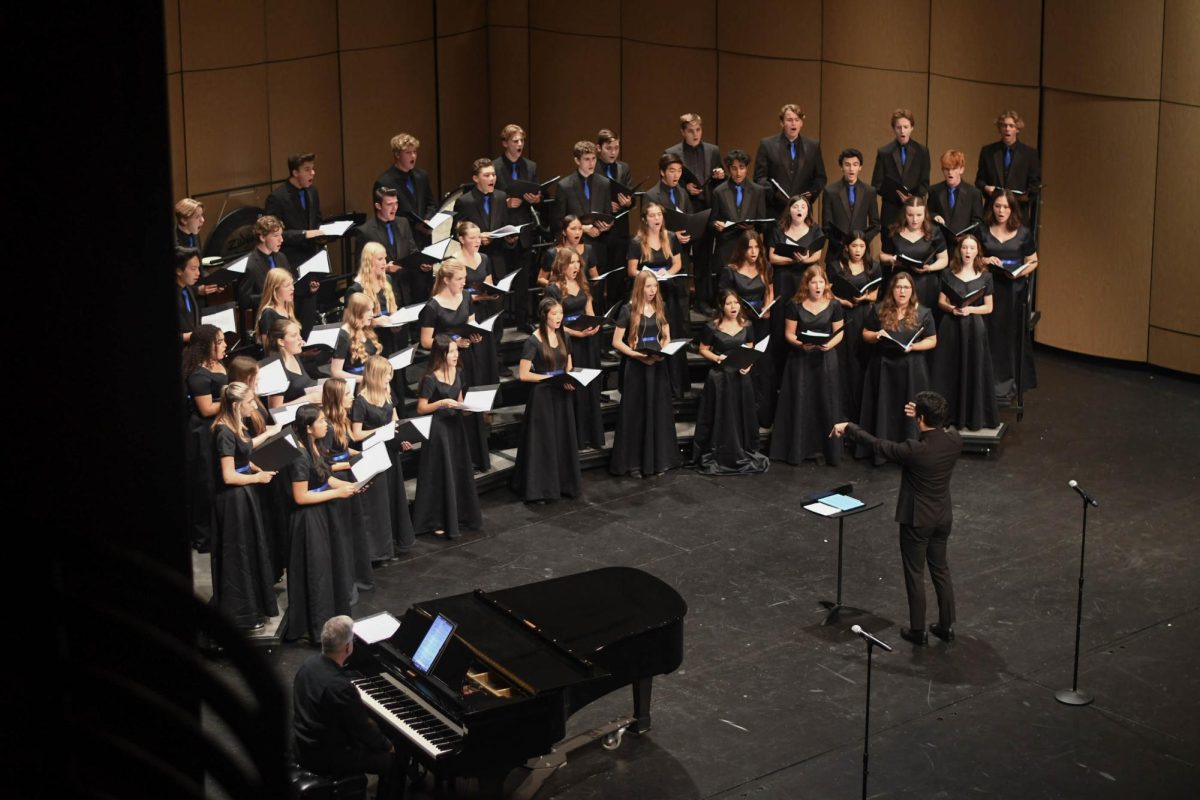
945	634
918	636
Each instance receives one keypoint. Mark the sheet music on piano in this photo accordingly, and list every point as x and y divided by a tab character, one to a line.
376	628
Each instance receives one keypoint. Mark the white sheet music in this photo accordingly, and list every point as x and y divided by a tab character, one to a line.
239	266
583	375
403	358
762	346
374	461
335	228
822	509
322	335
505	230
674	346
381	435
376	627
284	415
478	400
440	223
505	283
422	424
271	378
488	324
226	320
318	263
441	250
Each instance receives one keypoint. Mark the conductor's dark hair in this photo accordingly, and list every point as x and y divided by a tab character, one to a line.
933	407
297	160
850	152
306	415
737	155
667	159
384	191
183	255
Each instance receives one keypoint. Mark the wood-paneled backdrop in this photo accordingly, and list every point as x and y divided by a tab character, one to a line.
1112	91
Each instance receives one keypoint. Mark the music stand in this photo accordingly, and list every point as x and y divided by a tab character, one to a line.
835	606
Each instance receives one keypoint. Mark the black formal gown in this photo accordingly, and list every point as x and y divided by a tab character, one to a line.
341	349
962	361
810	394
764	376
585	352
548	458
351	517
1004	327
199	473
645	439
853	353
388	522
275	502
320	584
477	362
893	379
925	284
298	382
726	438
242	575
675	304
787	281
446	496
475	278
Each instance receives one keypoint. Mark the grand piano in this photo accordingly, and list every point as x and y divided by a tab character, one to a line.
496	693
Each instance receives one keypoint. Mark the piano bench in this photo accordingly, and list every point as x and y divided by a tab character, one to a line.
305	785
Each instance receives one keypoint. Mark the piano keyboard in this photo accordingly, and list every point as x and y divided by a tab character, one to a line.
425	727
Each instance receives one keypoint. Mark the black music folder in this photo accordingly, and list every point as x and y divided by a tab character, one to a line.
691	224
845	289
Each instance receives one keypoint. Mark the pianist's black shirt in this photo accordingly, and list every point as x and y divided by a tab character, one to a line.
331	724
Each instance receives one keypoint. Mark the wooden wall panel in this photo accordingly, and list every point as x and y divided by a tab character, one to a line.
226	128
171	35
1094	279
685	23
179	184
460	16
508	13
751	89
368	23
857	107
1105	47
869	33
373	111
1181	56
987	42
300	28
560	113
766	28
574	17
1177	351
650	108
962	115
1175	287
298	91
508	85
462	106
222	33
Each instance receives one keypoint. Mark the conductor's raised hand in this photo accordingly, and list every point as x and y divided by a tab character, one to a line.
839	430
910	409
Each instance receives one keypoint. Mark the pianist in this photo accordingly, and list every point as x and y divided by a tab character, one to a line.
335	734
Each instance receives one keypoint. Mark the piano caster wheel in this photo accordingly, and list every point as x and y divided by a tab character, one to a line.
613	740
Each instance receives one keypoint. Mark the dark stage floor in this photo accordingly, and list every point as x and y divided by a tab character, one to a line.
769	703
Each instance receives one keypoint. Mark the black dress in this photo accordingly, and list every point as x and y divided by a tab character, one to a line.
267	319
475	279
274	501
893	378
446	494
351	517
645	439
787	280
298	382
198	451
585	352
925	284
726	439
1004	323
675	305
319	578
477	362
241	563
810	394
962	361
388	522
853	353
341	349
764	377
548	458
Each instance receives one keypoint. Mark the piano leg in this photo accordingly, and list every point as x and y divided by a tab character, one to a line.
641	705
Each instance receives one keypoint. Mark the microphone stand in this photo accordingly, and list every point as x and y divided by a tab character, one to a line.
867	718
1072	696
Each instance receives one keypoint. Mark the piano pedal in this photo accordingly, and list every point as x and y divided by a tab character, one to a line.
613	740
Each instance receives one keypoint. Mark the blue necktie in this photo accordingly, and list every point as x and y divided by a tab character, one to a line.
191	240
609	169
587	189
187	301
739	195
516	177
408	184
304	199
1007	157
270	260
903	155
793	148
851	189
953	195
671	193
487	206
391	235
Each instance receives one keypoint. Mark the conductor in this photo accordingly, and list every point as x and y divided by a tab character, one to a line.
334	734
923	508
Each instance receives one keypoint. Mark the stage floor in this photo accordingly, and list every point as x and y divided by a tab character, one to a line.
769	703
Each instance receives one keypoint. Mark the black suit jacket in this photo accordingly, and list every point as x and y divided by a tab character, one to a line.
329	720
621	171
250	285
724	206
1024	173
710	156
968	205
374	230
774	161
470	207
188	320
284	203
420	201
526	171
914	174
660	194
836	210
928	463
570	199
184	239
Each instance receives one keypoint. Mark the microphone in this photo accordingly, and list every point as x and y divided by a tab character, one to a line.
857	629
1086	497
